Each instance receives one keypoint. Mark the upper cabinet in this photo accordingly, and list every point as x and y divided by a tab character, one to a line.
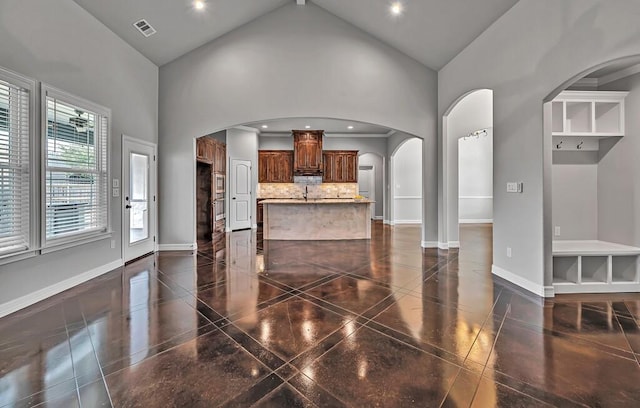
220	158
340	166
275	166
205	150
213	152
581	118
307	156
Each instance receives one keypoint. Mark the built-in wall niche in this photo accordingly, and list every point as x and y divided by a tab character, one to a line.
595	267
580	119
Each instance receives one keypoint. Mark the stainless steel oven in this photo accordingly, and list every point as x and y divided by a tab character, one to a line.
219	185
218	209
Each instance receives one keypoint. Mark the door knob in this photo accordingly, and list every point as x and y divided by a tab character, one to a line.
127	206
233	198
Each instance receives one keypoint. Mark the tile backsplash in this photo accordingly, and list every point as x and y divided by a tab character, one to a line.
296	190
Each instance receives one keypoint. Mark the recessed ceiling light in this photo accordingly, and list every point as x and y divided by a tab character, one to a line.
307	127
264	126
198	4
349	127
396	8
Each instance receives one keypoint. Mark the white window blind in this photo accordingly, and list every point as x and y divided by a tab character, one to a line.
14	167
76	169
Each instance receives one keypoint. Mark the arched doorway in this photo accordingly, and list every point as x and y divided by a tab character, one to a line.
406	186
613	184
470	118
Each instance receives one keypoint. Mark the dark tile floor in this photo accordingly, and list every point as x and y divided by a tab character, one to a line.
301	324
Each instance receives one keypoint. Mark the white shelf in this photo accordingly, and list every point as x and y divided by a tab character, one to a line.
582	118
595	267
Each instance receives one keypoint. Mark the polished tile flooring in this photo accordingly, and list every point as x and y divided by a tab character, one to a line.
302	324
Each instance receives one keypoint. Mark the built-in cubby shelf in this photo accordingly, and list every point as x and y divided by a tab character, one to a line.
595	267
581	118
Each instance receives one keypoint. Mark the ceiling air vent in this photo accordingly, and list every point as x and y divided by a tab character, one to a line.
144	27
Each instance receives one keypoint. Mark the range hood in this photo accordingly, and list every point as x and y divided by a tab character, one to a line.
307	153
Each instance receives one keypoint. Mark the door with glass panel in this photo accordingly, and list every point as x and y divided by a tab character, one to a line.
138	197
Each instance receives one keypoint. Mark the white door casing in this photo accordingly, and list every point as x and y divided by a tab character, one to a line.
139	218
240	198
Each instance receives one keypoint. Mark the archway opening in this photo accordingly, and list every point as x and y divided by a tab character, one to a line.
406	182
467	182
591	181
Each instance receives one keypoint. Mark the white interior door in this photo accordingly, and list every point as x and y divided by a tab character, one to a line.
366	185
240	200
138	197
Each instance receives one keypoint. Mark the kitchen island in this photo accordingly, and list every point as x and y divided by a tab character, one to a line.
317	219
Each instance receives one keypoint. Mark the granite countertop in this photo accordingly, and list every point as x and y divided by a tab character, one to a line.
314	201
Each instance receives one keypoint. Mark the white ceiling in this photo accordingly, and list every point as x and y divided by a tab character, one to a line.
284	126
430	31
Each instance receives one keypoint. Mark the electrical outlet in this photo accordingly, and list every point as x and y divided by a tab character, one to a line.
508	252
113	243
556	231
116	192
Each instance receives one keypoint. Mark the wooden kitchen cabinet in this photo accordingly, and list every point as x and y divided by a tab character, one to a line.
259	212
275	166
340	166
307	156
220	157
205	149
213	152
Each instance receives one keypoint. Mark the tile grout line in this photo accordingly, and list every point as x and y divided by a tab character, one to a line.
95	354
73	365
493	345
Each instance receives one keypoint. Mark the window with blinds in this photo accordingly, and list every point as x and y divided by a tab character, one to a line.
14	167
76	169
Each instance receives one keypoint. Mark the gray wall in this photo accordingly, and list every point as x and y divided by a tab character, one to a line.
619	174
575	200
378	163
523	57
41	39
406	182
475	178
254	73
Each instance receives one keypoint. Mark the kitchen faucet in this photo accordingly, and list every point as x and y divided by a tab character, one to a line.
306	192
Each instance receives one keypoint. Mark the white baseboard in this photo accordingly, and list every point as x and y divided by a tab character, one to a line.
454	244
544	291
401	222
443	245
58	287
178	247
429	244
476	221
377	217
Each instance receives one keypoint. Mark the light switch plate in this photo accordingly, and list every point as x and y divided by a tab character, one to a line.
556	231
116	192
514	187
116	183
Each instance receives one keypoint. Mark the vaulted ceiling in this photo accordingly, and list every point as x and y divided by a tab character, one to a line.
430	31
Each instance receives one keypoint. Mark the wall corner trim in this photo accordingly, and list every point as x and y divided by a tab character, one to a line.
429	244
44	293
178	247
520	281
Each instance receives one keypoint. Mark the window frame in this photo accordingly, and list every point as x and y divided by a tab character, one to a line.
30	85
72	239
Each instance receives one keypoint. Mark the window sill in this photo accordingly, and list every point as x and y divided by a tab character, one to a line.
70	242
18	256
